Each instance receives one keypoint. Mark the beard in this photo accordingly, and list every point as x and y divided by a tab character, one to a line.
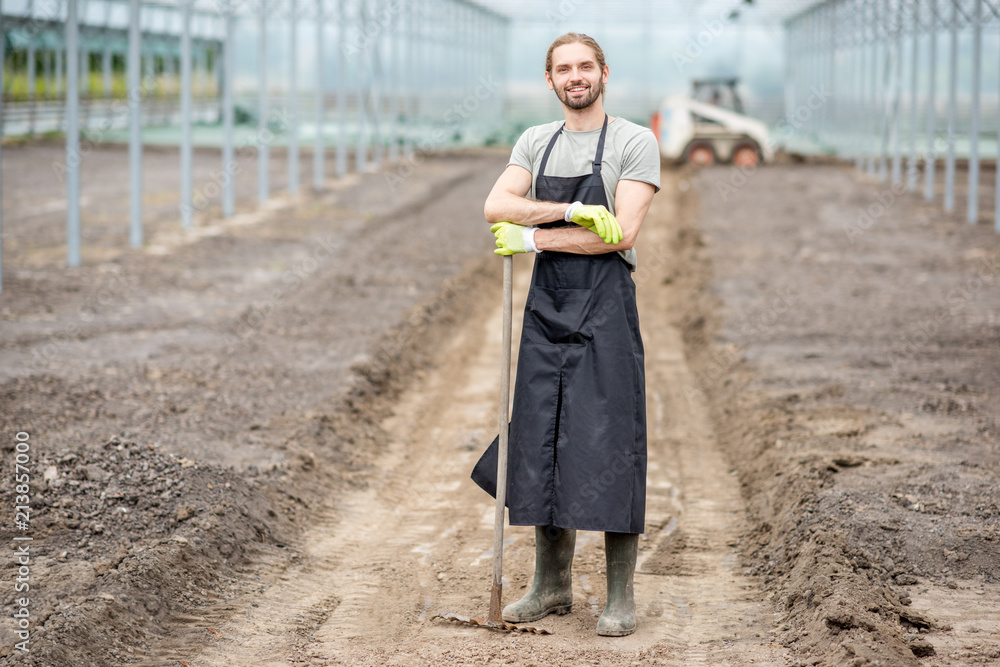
578	102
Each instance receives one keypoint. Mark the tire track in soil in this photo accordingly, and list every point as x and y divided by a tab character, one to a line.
417	539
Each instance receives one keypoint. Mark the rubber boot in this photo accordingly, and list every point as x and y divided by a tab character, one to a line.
552	589
618	618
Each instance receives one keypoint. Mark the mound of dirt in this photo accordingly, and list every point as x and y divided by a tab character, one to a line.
141	532
848	383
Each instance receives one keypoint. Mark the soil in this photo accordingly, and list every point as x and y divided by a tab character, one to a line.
251	443
848	337
190	405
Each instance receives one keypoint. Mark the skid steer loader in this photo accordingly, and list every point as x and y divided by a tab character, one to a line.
705	132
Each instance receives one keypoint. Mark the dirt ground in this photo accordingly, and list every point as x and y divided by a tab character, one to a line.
251	444
849	339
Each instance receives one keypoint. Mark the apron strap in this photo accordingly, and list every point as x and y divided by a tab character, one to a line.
548	149
600	146
597	157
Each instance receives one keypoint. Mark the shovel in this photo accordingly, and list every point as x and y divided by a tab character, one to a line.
494	620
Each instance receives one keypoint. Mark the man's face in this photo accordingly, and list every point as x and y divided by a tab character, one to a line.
576	76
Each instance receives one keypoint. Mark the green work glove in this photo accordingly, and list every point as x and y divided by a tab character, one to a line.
597	219
512	239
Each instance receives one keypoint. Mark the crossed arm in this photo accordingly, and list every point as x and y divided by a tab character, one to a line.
508	202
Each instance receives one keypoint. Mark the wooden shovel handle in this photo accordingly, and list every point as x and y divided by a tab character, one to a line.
496	595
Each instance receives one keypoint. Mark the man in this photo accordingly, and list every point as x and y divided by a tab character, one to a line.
576	193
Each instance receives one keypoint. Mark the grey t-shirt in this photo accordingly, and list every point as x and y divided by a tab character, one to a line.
630	153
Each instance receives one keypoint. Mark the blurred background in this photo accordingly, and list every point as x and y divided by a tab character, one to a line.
435	51
893	85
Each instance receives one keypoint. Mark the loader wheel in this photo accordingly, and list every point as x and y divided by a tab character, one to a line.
700	153
746	155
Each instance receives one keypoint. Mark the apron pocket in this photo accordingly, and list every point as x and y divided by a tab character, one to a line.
559	316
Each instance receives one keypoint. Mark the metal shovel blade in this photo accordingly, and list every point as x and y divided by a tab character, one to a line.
502	626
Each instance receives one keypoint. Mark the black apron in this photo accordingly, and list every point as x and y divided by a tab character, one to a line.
577	452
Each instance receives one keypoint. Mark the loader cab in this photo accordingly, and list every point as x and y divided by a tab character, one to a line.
723	93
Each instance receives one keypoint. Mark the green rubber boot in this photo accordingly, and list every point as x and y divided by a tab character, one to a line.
618	618
552	589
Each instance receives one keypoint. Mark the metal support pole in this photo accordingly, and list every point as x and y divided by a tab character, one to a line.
879	53
293	85
228	151
394	84
341	89
857	69
462	84
150	60
72	136
436	89
816	120
59	72
811	70
32	85
199	70
823	54
48	82
186	211
203	73
804	72
423	79
791	35
435	86
930	157
996	198
830	75
829	110
885	96
135	95
860	110
500	64
169	72
478	38
455	53
646	49
443	26
972	210
361	151
504	41
897	99
411	76
262	111
84	70
949	171
106	69
873	90
318	155
478	48
218	71
911	166
489	64
498	33
376	85
198	67
106	54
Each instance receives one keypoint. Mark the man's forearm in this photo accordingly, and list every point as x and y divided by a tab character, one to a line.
579	241
507	207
